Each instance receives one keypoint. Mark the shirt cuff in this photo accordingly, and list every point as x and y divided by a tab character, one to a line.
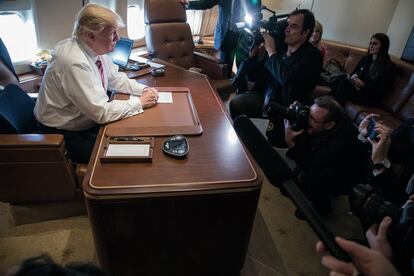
136	104
362	138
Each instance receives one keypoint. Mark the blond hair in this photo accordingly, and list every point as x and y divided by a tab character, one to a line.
319	27
94	18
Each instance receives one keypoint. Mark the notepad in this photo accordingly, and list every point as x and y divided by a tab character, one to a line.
127	150
165	97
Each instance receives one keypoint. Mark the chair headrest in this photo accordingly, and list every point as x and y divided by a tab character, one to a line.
161	11
16	111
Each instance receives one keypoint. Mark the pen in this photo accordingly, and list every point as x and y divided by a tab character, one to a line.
127	138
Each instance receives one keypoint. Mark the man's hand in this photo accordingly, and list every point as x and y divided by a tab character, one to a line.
184	2
365	260
269	44
380	148
377	237
149	97
364	124
290	134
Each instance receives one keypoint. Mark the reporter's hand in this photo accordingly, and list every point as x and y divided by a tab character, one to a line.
381	146
269	44
377	237
290	134
149	97
362	128
365	260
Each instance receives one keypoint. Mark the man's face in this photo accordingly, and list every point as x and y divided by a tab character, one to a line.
293	33
317	120
104	41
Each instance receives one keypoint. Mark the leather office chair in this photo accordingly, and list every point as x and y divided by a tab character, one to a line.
37	179
168	37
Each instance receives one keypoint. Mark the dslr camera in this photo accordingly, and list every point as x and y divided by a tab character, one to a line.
372	208
275	26
297	114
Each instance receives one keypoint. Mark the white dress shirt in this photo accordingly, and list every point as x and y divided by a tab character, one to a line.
72	97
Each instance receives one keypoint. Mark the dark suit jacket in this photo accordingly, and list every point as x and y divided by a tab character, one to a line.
5	58
224	13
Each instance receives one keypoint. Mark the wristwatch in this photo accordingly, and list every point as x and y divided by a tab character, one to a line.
384	164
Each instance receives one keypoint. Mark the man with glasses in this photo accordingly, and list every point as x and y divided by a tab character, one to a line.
73	98
329	157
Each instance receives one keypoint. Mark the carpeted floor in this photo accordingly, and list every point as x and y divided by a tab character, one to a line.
280	244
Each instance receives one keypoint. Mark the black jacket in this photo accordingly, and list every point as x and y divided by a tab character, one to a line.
335	160
293	78
388	183
375	87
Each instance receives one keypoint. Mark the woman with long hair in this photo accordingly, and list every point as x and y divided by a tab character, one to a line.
372	78
316	37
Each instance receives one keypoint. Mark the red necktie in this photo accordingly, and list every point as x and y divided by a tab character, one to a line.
101	71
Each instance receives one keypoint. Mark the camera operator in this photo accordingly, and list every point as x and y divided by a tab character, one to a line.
289	75
389	147
329	157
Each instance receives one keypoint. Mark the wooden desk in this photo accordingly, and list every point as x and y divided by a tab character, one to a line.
176	217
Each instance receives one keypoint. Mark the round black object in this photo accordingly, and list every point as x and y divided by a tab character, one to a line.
176	146
156	72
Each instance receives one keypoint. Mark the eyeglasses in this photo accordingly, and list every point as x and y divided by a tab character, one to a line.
315	121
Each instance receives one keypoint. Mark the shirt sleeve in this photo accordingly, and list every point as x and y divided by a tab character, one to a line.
119	81
84	89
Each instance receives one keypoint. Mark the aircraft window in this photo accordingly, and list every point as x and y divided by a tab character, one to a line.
194	18
135	31
19	40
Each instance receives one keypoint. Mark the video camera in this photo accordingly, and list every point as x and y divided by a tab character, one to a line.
372	208
297	114
254	23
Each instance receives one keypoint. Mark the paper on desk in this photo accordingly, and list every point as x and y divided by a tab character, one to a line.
136	57
165	97
128	150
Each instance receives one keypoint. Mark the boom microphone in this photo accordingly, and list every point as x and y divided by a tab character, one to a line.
280	175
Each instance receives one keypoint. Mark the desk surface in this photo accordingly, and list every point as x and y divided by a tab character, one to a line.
217	160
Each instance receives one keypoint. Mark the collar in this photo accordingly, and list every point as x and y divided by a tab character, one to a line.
299	49
88	50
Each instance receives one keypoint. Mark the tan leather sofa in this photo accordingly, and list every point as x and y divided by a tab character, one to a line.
397	107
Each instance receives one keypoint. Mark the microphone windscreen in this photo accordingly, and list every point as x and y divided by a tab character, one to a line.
269	160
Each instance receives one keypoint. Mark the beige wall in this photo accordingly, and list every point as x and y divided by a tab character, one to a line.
354	21
401	25
55	20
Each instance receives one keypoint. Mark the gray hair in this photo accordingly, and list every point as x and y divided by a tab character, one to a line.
94	18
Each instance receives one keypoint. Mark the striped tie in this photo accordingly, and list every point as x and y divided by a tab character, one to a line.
101	71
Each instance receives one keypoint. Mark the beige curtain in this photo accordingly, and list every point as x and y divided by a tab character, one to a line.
202	23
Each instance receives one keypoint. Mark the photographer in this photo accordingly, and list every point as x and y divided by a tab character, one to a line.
328	155
389	147
290	74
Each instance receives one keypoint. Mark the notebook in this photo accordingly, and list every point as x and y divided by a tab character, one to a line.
120	55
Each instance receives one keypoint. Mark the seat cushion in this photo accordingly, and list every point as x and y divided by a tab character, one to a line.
16	111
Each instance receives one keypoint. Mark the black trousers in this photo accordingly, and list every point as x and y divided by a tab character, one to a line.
79	144
230	49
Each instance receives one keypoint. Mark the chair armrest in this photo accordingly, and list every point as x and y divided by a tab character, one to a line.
211	66
31	140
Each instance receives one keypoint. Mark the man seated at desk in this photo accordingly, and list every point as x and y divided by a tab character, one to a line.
72	100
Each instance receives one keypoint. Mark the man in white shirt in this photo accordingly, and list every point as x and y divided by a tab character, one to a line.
72	98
